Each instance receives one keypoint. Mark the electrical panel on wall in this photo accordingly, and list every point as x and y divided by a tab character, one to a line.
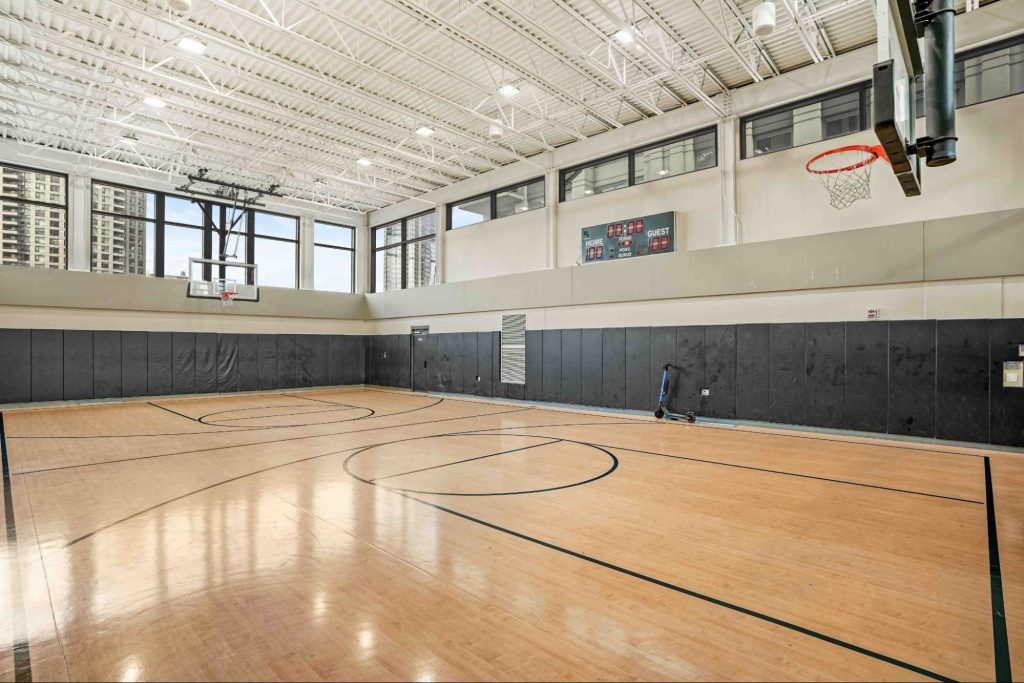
628	238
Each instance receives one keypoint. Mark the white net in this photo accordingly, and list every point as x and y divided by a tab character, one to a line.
845	174
227	298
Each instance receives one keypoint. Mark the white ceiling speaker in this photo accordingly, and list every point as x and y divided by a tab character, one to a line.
180	5
494	131
763	19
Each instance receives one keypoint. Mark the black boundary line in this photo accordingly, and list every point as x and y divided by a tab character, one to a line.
790	474
456	462
637	419
173	412
318	400
20	644
688	592
274	440
750	467
274	467
1000	642
225	430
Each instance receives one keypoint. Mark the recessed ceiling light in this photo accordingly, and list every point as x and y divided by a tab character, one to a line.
624	36
180	5
153	101
364	162
588	192
508	90
424	132
662	172
129	139
192	45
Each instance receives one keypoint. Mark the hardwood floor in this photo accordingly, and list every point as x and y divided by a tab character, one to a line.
367	534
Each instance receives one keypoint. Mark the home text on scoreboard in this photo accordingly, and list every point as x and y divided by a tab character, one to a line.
629	237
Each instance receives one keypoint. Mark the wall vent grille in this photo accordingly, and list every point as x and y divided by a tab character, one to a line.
513	348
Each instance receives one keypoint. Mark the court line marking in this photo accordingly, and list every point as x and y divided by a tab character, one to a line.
19	629
1000	642
456	462
219	422
267	469
173	412
688	592
738	428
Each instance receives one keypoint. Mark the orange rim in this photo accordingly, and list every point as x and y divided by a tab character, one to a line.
874	152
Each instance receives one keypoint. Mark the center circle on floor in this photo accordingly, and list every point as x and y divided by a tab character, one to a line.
489	464
245	417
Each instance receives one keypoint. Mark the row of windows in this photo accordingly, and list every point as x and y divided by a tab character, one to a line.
987	73
152	233
405	253
507	201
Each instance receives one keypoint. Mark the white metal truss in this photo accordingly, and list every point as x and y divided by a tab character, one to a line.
296	92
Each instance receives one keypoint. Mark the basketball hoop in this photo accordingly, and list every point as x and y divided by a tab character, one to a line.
845	172
227	297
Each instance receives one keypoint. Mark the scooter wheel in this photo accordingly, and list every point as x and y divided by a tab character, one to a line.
690	417
659	413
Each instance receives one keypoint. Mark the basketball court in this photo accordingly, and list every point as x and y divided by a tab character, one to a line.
501	340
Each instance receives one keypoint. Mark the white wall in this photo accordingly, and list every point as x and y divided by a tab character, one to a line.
514	244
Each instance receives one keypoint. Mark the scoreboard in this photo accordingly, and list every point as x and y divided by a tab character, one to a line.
629	237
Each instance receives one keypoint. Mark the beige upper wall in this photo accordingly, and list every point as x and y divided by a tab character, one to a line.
516	244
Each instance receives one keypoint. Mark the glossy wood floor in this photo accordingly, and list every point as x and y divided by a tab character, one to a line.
365	534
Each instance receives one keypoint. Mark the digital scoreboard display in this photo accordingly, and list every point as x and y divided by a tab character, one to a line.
629	237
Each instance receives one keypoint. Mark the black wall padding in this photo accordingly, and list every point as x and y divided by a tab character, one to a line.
134	363
303	360
572	355
613	390
962	387
160	364
752	354
720	351
402	350
248	362
227	363
183	366
286	375
206	363
106	369
663	350
690	373
485	363
470	358
15	366
551	380
435	363
337	349
358	368
498	388
534	365
321	360
78	364
826	374
420	366
867	376
592	367
267	364
47	365
641	394
1007	413
912	377
787	378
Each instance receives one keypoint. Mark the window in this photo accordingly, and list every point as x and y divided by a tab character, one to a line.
819	118
139	232
33	213
497	204
405	253
334	263
987	73
694	151
123	230
276	249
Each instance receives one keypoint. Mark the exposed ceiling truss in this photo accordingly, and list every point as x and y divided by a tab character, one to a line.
324	98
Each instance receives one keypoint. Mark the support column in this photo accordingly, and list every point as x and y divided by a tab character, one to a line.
364	259
306	265
551	215
441	221
78	222
727	157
